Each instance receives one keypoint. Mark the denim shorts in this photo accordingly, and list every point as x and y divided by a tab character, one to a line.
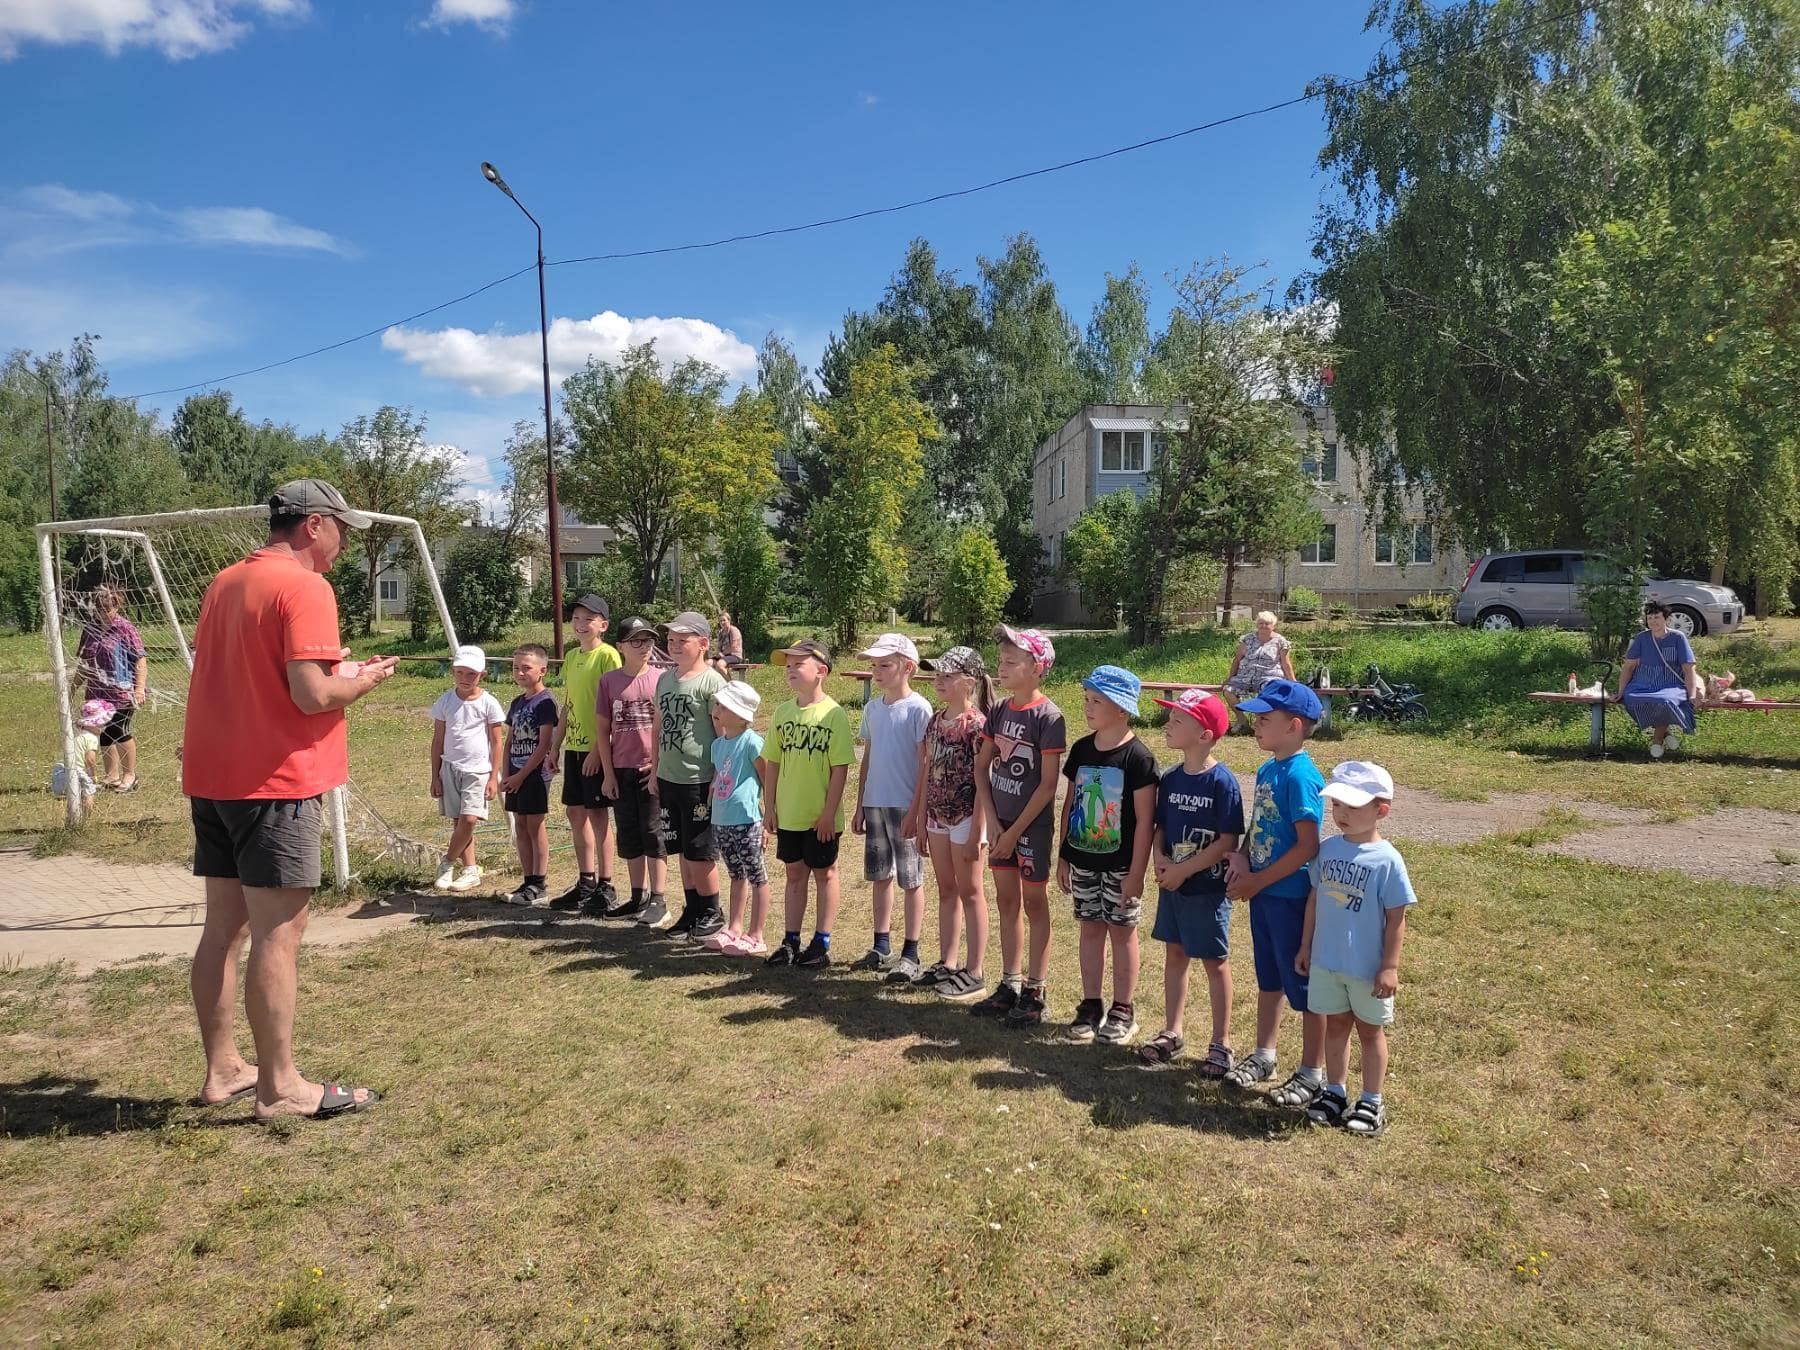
1200	924
887	852
1275	924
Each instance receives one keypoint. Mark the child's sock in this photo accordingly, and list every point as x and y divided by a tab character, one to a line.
1372	1098
637	895
1266	1055
823	939
1339	1091
1013	980
534	880
882	944
590	878
909	950
692	897
791	938
1034	987
1310	1074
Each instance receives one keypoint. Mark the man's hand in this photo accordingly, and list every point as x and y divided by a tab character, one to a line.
1062	875
437	785
493	786
826	828
1303	961
591	766
1387	980
857	822
373	672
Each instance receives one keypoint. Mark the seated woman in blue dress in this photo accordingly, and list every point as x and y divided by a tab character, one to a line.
1657	682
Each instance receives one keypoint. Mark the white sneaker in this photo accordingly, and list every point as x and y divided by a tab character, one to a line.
1656	750
446	876
1674	740
468	881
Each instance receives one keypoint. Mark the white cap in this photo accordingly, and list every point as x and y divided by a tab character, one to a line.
469	658
739	697
892	644
1357	782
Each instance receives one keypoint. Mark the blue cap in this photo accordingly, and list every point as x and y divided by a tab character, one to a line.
1285	696
1118	684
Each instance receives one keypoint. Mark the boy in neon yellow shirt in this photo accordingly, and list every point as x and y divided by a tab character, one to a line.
807	759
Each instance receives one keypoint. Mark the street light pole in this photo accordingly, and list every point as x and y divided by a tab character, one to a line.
492	174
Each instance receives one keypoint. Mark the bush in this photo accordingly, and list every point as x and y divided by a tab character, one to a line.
976	586
1303	602
748	571
352	588
1612	592
1434	605
421	610
483	586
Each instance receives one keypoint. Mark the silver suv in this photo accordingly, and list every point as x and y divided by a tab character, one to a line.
1543	588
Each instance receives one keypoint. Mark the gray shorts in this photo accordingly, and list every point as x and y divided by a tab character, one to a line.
886	852
1100	898
465	793
270	844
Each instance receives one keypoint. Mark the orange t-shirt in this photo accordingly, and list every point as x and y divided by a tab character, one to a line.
245	739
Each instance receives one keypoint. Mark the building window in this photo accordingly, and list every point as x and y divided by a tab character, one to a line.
389	588
1121	452
1411	544
1062	477
1324	551
1320	462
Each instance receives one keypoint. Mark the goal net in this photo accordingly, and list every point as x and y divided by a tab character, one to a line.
152	571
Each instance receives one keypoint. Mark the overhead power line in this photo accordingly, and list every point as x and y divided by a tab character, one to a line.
1386	72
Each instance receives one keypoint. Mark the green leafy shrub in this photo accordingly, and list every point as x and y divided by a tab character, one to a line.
976	586
1612	593
1303	602
1435	605
749	568
483	586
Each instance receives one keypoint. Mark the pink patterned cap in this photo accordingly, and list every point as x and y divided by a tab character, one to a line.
96	713
1033	643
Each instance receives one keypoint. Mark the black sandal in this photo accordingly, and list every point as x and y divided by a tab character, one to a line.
1161	1050
1329	1109
1366	1118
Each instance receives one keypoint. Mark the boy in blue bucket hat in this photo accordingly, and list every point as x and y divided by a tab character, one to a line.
1109	815
1271	874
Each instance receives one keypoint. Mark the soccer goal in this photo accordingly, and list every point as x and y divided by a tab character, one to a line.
153	570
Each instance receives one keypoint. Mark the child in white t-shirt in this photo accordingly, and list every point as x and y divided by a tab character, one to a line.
95	714
468	732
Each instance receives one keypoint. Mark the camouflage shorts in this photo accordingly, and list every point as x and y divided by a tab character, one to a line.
1099	898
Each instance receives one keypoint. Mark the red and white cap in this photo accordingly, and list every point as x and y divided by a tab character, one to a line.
1033	643
1204	708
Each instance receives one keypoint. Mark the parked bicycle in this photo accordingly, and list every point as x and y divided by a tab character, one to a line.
1386	702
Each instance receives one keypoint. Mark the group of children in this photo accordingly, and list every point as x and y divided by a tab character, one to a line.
670	753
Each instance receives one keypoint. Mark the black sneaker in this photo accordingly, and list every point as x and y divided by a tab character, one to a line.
816	956
682	927
999	1003
627	907
962	987
599	900
574	898
711	920
1028	1011
871	960
1088	1015
928	980
654	913
784	955
519	895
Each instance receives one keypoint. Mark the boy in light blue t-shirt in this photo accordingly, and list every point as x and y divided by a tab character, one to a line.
1270	873
1350	950
737	813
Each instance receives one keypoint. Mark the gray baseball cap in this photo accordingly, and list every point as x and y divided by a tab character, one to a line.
689	621
315	497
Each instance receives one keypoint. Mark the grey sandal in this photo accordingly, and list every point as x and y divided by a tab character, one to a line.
1297	1093
1366	1118
1248	1070
1218	1062
1160	1050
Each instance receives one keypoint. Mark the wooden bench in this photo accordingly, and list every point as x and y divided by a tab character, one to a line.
1597	705
1325	695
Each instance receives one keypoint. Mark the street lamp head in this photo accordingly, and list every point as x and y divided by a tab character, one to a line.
489	172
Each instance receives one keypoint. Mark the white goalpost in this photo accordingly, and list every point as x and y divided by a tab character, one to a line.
157	568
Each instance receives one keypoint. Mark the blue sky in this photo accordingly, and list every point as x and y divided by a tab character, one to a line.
213	184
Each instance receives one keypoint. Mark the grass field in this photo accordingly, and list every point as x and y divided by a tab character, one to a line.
592	1136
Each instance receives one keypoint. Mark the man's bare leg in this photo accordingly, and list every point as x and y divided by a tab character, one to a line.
213	982
277	923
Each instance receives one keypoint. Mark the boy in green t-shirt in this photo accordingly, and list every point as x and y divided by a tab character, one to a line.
587	807
807	757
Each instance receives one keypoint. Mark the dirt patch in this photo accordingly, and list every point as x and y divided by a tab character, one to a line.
1740	844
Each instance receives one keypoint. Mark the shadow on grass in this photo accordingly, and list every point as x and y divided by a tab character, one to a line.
1633	750
1109	1081
51	1106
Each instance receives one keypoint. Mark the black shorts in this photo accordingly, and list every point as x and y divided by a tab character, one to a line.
119	728
532	798
792	846
272	843
578	789
637	827
687	820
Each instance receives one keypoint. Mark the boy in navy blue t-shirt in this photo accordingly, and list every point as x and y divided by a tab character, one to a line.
1270	872
1199	819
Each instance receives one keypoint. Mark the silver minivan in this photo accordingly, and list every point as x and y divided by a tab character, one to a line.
1542	588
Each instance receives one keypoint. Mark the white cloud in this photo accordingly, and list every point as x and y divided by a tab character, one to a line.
177	28
499	364
134	323
867	99
487	13
51	219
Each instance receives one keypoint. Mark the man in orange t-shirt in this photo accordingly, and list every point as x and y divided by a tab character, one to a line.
264	742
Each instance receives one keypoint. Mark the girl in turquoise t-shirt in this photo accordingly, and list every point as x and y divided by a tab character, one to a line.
737	815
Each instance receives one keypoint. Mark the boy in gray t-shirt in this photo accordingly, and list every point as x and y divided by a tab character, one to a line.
892	728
